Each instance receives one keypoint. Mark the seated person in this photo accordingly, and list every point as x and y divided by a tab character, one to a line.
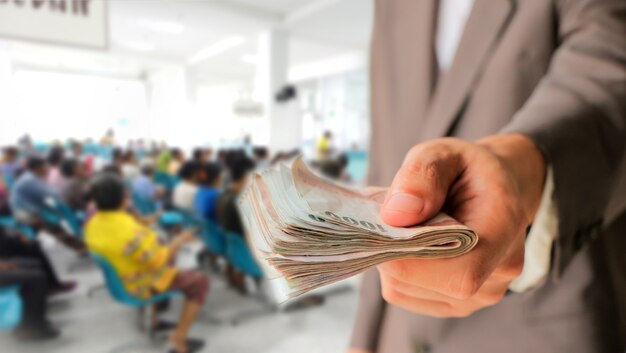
55	158
144	185
30	191
176	161
201	155
73	189
140	259
28	201
261	158
34	288
227	211
9	165
130	170
228	214
185	191
206	199
17	246
5	210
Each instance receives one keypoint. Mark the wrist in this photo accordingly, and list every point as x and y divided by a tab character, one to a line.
526	165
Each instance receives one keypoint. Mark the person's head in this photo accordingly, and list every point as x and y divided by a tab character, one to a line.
221	156
38	166
112	169
189	172
328	135
108	192
129	157
343	161
331	169
147	169
210	175
72	168
260	153
118	156
239	170
56	155
77	149
177	154
199	155
10	154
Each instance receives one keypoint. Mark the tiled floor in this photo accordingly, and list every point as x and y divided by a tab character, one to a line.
97	324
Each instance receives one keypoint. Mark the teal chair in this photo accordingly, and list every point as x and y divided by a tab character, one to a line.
240	256
117	290
11	223
11	307
214	239
144	205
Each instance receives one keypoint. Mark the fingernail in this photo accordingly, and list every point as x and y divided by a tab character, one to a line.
405	203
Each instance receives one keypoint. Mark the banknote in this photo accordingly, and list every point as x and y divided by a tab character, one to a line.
307	231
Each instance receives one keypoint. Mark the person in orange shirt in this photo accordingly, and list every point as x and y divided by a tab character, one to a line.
141	260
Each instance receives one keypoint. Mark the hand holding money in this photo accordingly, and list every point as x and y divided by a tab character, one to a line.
308	232
494	187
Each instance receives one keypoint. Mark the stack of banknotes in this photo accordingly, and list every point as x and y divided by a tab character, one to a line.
307	231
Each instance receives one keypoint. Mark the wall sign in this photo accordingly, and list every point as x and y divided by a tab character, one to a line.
70	22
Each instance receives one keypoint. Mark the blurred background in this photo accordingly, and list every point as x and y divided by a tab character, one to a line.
178	98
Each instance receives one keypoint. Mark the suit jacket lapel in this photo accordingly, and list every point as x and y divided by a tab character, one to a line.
486	22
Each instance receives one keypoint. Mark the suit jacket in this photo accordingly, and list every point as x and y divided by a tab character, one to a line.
554	70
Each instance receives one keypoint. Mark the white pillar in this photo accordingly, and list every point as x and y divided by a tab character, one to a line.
7	111
285	129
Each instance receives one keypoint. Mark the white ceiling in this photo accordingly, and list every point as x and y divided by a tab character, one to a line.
148	34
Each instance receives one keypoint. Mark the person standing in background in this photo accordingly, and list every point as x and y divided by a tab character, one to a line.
511	116
324	146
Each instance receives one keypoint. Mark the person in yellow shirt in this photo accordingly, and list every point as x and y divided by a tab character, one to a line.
141	260
323	146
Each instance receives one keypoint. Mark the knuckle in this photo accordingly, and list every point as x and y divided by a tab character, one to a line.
493	298
464	285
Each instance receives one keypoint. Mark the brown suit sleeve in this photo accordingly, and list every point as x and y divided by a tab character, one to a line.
370	313
577	116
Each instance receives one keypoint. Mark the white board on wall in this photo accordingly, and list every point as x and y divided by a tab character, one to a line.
81	23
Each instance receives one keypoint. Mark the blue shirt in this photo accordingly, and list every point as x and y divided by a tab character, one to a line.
144	187
206	203
29	193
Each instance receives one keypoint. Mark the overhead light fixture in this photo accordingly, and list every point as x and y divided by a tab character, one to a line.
251	59
162	26
139	46
217	48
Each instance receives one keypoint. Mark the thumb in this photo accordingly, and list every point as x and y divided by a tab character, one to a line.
420	187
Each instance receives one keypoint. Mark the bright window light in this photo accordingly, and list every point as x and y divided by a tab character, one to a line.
217	48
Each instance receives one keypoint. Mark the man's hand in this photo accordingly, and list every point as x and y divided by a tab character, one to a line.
493	186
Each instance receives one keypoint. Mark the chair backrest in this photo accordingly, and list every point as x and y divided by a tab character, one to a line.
114	283
190	218
214	238
67	217
240	256
144	205
11	307
12	223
